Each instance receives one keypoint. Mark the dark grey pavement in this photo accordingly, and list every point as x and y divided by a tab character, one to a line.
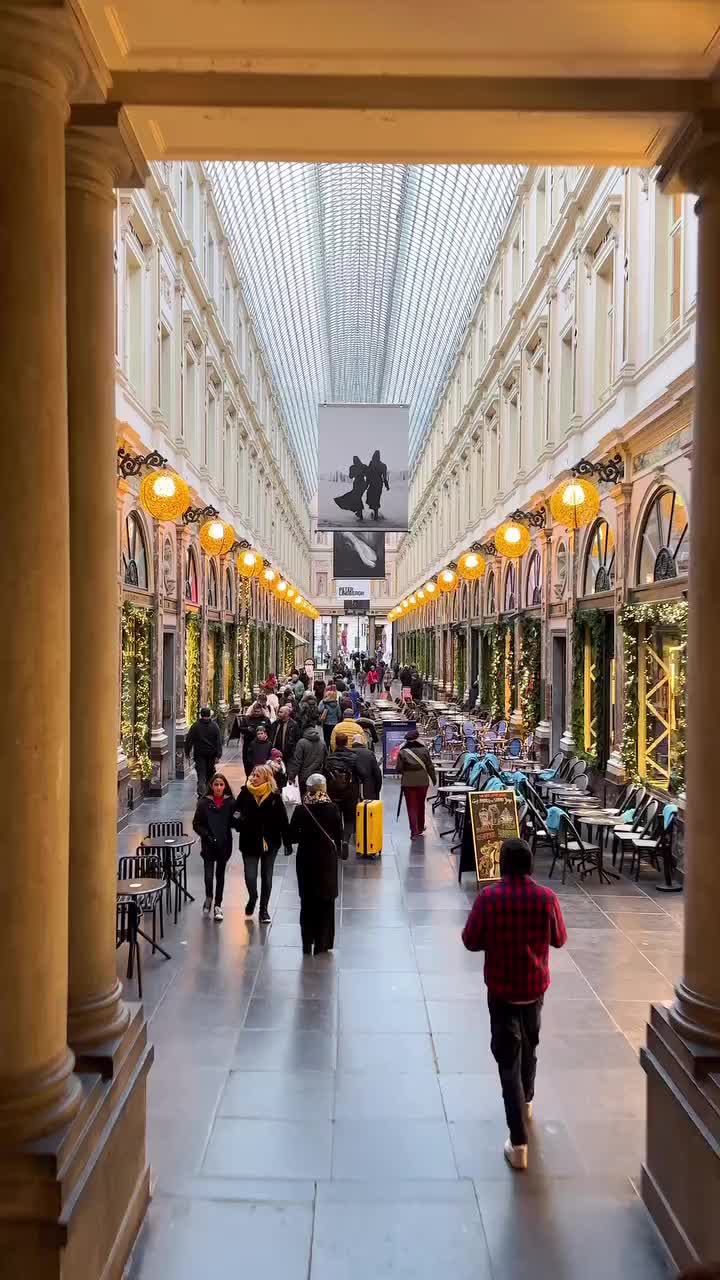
339	1117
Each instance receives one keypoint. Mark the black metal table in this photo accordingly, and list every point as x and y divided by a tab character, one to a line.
137	896
168	847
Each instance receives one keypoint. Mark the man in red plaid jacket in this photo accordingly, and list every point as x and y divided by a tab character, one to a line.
515	922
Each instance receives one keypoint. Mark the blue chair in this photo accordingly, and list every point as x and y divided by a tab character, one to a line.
514	748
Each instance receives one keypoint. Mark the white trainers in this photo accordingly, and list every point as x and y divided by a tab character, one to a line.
528	1110
207	906
218	913
515	1156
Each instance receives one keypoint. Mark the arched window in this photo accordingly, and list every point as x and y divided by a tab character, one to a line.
491	607
510	597
664	547
600	560
212	594
191	582
228	592
533	582
135	561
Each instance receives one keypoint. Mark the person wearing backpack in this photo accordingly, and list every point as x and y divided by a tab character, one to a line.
343	784
329	710
308	756
416	773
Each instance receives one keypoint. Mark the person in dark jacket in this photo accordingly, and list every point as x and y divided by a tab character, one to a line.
285	733
308	756
319	688
316	829
369	770
214	821
416	684
308	711
263	826
205	742
343	784
330	712
255	717
259	748
278	767
416	773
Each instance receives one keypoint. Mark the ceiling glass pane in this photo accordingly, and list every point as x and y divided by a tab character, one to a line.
361	278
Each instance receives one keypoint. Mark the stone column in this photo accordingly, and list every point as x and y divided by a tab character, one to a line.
123	768
38	1091
95	1009
158	783
517	718
204	663
543	729
682	1056
567	742
622	495
181	725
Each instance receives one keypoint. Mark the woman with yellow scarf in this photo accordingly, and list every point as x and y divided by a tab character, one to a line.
263	825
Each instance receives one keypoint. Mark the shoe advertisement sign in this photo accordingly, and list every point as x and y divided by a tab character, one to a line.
363	477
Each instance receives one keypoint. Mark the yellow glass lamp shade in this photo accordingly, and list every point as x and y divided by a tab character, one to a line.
512	539
280	588
471	566
299	602
575	503
404	606
249	563
412	601
430	589
447	580
268	577
216	537
164	495
420	596
290	594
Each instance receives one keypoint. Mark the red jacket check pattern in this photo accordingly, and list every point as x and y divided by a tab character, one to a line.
515	922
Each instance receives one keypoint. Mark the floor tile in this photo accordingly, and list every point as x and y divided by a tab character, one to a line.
263	1148
398	1231
285	1050
367	1149
296	1014
379	1054
414	1096
278	1095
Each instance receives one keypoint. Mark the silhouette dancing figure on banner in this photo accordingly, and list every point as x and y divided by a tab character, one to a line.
377	478
353	501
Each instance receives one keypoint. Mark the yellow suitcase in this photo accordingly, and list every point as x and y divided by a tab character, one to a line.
369	828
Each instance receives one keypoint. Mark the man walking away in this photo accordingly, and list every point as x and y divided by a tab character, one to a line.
515	922
368	768
343	785
205	743
308	756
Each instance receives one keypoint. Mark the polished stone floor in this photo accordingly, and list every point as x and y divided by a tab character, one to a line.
339	1118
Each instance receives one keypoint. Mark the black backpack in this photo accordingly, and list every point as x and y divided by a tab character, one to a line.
339	775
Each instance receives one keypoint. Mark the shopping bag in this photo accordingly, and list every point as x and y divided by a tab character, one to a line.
291	795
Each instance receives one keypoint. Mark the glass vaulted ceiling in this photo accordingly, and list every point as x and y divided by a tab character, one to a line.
361	278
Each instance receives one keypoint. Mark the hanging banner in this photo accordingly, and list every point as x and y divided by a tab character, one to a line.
359	553
357	606
493	818
354	589
364	466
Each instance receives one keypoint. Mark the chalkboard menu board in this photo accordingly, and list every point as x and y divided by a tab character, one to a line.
493	818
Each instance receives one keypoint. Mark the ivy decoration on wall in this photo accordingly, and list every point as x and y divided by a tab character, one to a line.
135	686
596	621
192	667
216	638
632	616
529	672
494	677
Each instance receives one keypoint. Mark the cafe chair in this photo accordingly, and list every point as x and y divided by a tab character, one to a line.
146	866
656	845
514	748
575	852
626	833
164	830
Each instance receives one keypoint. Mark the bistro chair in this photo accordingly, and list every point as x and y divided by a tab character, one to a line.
625	835
656	845
145	866
576	852
164	830
514	748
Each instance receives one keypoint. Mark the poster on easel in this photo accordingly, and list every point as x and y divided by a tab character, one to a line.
493	818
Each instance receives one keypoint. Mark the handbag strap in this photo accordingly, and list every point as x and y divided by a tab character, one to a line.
320	826
417	760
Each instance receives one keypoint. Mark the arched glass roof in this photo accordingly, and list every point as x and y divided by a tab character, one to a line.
361	278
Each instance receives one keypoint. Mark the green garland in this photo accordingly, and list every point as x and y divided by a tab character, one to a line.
231	642
671	613
137	627
596	620
494	672
288	652
216	638
529	672
192	667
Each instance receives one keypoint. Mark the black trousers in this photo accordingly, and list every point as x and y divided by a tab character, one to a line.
266	862
215	867
204	768
514	1037
317	924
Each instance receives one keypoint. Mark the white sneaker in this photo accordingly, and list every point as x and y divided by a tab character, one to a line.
528	1110
515	1156
207	906
218	913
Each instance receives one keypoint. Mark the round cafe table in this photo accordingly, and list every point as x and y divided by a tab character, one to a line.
168	847
136	896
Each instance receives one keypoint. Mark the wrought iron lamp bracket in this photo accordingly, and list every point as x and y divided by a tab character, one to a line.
536	519
194	514
485	548
131	464
608	470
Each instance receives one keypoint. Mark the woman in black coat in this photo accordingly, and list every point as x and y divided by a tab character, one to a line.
214	821
317	830
263	826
